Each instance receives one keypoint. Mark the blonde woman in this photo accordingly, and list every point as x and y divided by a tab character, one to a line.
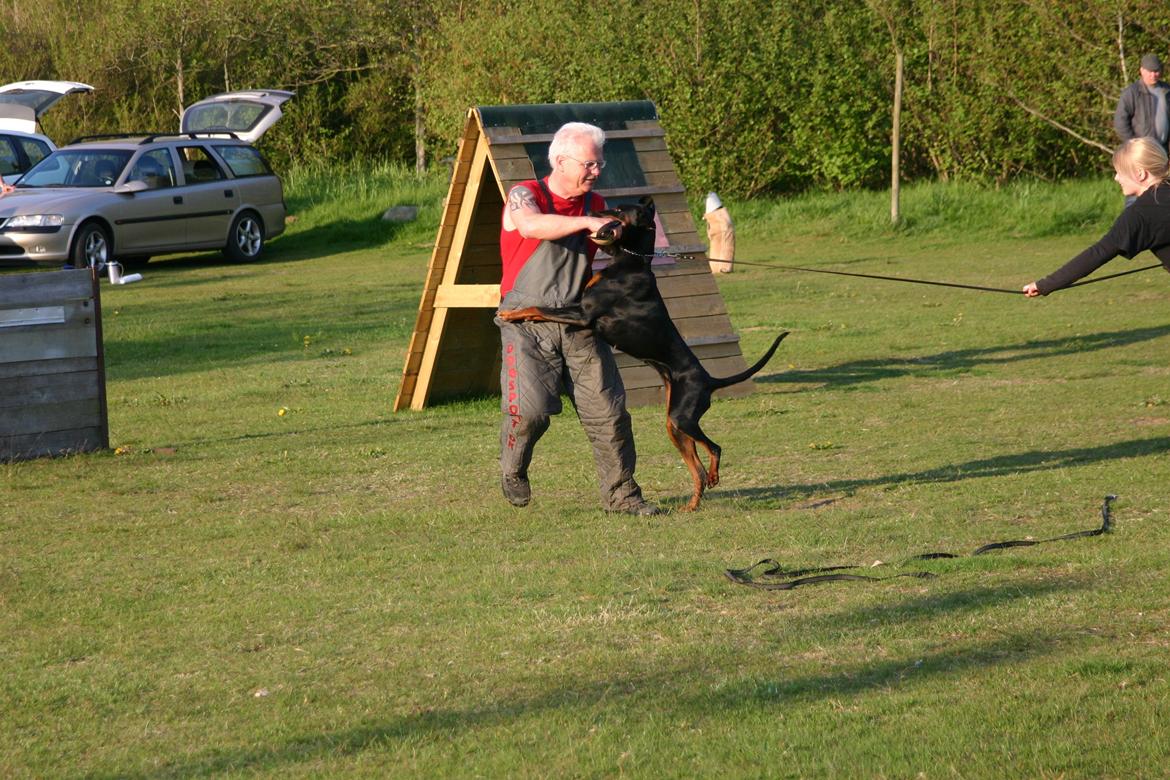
1142	170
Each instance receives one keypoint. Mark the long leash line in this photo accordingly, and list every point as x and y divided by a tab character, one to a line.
789	579
907	280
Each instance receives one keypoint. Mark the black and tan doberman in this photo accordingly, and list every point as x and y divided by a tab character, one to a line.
621	303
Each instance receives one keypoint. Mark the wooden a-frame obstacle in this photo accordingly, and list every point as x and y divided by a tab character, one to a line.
455	349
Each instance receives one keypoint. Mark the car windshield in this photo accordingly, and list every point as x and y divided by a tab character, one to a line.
78	168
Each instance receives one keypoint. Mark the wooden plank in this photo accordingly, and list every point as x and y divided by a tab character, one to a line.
514	170
671	203
655	190
480	170
500	135
68	315
50	343
40	445
644	376
695	306
33	390
656	161
661	179
47	367
509	152
427	368
650	144
454	296
710	325
724	348
50	288
56	416
683	286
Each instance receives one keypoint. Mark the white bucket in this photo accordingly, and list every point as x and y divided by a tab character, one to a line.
115	271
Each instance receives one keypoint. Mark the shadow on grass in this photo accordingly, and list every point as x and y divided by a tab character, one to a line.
313	243
663	687
859	371
1001	465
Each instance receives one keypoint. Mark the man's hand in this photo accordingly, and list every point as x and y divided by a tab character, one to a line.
609	232
1032	291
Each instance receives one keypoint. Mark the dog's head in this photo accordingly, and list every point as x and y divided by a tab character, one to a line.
637	227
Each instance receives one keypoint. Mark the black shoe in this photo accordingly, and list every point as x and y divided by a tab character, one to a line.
642	509
516	490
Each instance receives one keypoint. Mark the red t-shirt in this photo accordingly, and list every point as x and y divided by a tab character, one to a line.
515	249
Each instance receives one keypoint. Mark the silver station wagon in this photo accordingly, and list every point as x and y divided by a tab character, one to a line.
128	197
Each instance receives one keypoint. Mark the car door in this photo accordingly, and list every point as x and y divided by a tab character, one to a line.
37	97
210	197
247	114
152	219
10	163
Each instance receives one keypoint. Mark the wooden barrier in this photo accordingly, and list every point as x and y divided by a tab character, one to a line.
455	349
52	369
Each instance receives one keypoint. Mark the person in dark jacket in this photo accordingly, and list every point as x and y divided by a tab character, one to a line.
1142	109
1141	169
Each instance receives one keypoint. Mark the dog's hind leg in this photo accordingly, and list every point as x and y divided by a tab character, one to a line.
686	447
692	431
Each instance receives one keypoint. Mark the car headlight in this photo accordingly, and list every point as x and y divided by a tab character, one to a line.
35	221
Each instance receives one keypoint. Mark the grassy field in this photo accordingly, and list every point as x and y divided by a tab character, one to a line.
275	575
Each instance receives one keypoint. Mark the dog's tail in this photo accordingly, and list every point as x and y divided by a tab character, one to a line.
727	381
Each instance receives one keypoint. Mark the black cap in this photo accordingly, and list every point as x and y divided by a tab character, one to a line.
1152	63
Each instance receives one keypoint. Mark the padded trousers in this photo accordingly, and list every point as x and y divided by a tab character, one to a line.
539	360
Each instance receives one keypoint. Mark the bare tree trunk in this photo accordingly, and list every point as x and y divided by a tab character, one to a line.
896	143
1121	46
179	86
420	144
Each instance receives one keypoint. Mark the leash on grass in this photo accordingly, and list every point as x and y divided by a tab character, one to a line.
907	280
783	579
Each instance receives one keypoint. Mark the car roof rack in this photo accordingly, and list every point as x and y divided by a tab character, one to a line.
194	136
151	137
109	137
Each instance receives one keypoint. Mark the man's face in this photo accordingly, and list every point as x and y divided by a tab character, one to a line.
580	169
1150	77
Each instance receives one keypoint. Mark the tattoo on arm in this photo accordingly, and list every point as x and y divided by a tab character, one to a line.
520	198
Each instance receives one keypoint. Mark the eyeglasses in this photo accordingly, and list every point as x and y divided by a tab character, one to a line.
590	165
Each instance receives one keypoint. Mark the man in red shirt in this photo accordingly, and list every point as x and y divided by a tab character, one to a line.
547	259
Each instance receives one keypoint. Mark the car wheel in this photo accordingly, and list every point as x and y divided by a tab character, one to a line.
246	237
91	247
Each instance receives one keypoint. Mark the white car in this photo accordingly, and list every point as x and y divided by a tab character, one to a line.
131	196
22	144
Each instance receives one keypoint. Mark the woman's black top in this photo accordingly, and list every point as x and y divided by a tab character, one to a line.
1145	224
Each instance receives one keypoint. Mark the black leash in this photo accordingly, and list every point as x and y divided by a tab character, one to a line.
907	280
882	278
789	579
940	284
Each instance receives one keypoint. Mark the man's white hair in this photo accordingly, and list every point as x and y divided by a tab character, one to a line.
570	135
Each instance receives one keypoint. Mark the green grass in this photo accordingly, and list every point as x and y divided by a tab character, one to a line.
341	591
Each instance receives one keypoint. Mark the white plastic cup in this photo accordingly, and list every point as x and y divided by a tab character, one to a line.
128	278
115	271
